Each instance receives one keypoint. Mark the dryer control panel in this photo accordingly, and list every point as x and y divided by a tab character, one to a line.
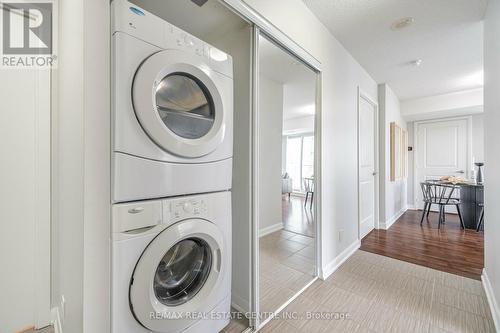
180	209
135	21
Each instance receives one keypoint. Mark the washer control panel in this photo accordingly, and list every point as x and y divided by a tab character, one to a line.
183	208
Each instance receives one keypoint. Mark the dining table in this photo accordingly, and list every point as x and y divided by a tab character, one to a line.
471	195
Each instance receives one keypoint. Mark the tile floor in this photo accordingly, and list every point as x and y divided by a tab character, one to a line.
286	266
381	294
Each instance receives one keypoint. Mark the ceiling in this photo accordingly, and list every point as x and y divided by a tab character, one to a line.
299	81
447	35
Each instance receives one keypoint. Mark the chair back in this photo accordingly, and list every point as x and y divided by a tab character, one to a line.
438	193
309	185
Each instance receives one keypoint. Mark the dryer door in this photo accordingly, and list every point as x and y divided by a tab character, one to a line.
177	275
178	103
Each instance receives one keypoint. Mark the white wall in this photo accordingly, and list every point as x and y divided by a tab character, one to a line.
97	154
445	105
341	77
478	137
81	189
411	161
298	125
492	154
270	145
300	94
24	195
393	201
68	187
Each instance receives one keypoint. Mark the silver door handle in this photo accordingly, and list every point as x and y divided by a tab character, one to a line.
460	171
374	173
135	210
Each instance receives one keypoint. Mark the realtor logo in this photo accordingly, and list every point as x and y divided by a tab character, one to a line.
27	34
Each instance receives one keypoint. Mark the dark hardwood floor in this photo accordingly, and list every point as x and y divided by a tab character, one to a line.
296	217
448	249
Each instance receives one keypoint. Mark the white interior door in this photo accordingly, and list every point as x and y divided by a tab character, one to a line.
442	150
367	165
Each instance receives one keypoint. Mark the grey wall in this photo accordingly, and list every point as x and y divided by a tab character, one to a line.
492	151
270	146
238	45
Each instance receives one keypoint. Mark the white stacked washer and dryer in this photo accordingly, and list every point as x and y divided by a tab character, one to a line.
172	116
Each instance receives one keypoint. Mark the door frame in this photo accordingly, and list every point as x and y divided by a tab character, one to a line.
256	322
468	166
363	95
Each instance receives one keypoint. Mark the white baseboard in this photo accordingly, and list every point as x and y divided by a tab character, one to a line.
387	224
339	260
56	320
270	229
240	304
490	295
411	207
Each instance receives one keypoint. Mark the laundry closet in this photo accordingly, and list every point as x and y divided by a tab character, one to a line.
202	167
181	181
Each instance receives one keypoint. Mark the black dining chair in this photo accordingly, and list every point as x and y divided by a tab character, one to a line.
435	193
309	188
481	217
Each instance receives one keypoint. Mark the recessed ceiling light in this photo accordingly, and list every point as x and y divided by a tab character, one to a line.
402	23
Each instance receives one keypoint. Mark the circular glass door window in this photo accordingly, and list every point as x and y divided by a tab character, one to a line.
185	105
182	272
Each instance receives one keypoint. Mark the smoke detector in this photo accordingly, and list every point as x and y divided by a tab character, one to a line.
402	23
416	62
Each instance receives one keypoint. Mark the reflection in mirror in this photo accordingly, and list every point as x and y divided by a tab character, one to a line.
287	231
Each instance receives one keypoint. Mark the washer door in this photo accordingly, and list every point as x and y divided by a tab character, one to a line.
178	104
176	275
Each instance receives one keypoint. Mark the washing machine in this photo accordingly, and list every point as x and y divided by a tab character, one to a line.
171	265
172	109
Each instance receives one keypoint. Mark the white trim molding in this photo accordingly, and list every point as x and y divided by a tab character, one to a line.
274	32
387	224
270	229
490	295
339	260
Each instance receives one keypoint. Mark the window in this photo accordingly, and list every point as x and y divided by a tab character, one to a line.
299	159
